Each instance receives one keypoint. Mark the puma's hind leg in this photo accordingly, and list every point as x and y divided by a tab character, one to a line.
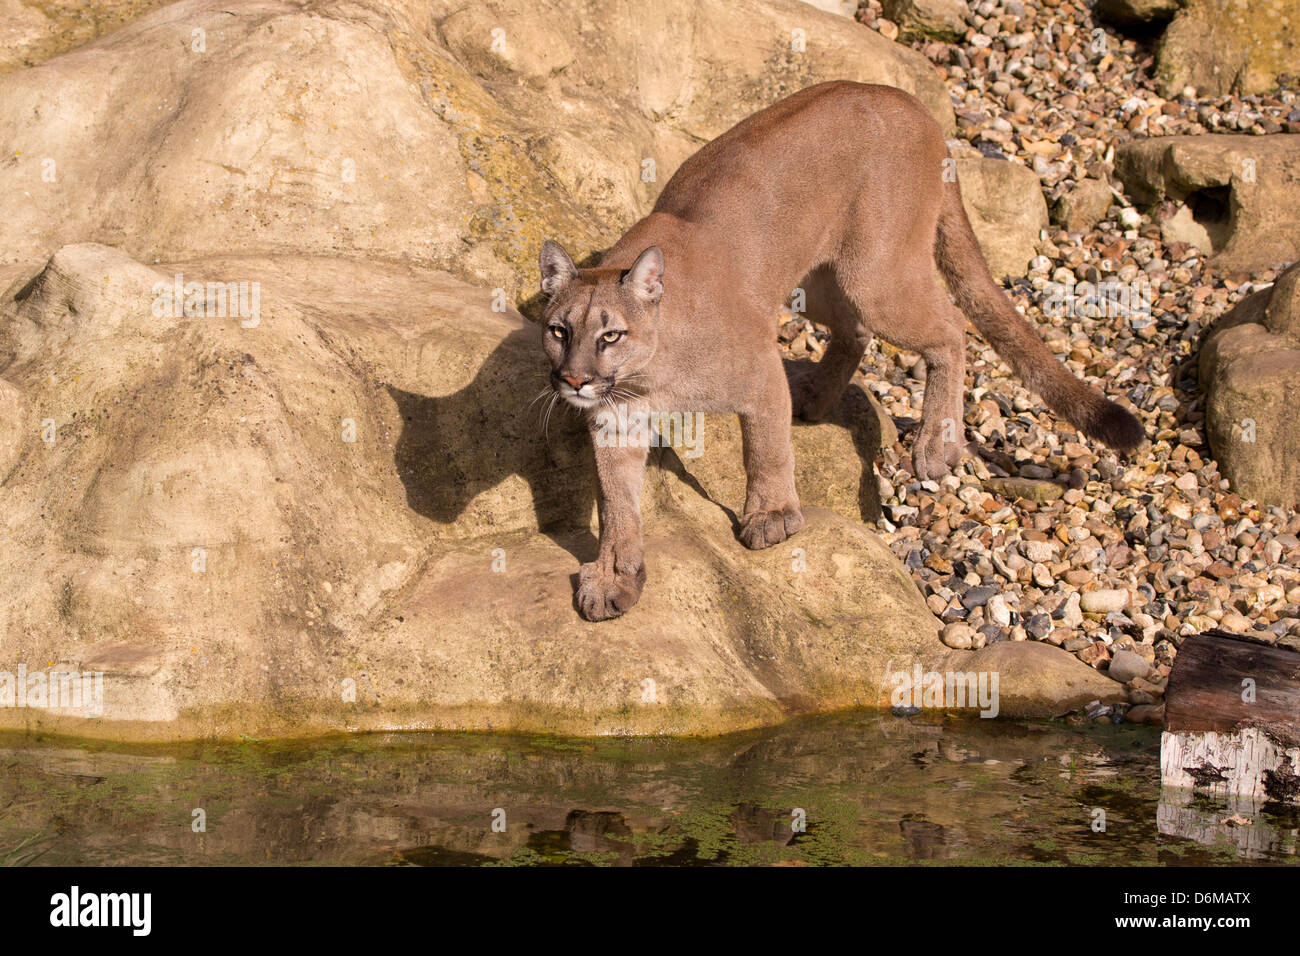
915	314
772	510
815	391
941	441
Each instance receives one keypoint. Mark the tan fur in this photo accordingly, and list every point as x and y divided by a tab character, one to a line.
839	190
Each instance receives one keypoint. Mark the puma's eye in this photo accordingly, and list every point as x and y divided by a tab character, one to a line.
557	331
609	338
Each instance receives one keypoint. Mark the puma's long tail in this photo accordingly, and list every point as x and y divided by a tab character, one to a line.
962	263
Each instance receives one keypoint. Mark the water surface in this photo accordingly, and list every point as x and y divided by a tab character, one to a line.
844	789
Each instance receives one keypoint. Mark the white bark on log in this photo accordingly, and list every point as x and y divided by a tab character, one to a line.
1246	763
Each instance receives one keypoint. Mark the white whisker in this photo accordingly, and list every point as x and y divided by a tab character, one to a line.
546	419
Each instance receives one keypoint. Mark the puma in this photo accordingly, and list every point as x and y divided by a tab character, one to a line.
839	190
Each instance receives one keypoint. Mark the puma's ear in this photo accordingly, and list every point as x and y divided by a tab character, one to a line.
646	277
557	267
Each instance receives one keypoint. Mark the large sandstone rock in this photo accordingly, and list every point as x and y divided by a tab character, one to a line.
339	512
1045	679
448	134
927	19
1234	197
1005	203
845	8
1226	46
1250	371
199	527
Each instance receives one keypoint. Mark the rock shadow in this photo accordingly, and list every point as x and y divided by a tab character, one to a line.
456	447
855	413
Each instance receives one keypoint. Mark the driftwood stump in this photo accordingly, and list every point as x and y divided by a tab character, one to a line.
1232	719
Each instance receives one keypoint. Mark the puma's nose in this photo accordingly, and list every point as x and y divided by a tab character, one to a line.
577	383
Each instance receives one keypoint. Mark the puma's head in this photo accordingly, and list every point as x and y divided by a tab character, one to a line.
600	325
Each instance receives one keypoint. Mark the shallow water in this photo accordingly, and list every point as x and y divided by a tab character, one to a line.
872	789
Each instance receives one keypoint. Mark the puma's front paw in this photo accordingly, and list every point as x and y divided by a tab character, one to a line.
935	454
762	529
604	593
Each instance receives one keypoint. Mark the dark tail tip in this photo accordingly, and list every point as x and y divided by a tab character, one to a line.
1117	428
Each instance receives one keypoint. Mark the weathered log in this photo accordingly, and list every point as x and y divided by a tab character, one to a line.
1232	718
